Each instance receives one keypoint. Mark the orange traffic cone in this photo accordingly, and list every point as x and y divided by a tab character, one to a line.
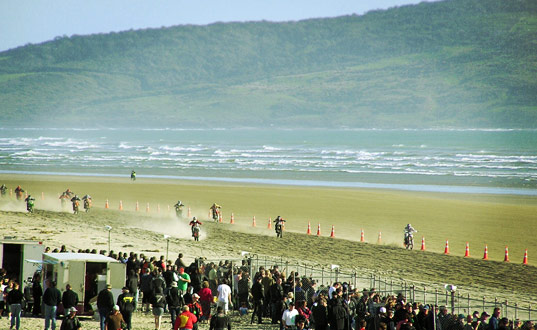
308	232
525	260
486	253
220	218
269	223
362	238
319	229
147	208
189	214
106	205
232	219
379	240
446	249
333	232
423	243
506	258
137	206
120	205
467	252
253	222
42	196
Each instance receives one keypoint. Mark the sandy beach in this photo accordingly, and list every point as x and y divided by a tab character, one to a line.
497	221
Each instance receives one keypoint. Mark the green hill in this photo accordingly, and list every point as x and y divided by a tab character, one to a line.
465	63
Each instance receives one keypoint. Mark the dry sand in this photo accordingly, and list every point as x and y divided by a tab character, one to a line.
479	219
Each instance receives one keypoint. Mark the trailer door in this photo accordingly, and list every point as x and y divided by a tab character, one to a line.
116	277
31	251
77	277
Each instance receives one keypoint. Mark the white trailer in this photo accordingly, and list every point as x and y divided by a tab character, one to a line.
87	274
13	256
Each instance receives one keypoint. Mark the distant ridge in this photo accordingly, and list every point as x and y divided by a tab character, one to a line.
458	63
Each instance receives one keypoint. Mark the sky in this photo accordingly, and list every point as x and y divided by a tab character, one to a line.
35	21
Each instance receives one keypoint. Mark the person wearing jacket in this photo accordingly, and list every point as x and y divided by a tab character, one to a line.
186	320
14	299
51	300
126	301
105	303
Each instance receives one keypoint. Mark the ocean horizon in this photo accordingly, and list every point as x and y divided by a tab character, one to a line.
494	161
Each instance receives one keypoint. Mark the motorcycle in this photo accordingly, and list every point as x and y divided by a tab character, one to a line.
3	191
76	205
409	241
30	205
216	214
87	205
64	198
179	210
196	232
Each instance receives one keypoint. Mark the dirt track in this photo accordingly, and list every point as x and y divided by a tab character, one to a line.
136	231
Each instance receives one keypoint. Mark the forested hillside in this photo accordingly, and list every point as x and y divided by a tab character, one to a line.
464	63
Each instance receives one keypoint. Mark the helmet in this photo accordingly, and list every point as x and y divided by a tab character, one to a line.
179	202
194	218
408	225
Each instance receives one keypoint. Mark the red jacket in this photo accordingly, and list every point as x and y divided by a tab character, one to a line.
185	321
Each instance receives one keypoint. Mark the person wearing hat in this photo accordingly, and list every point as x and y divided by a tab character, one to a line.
483	324
114	320
195	308
105	303
126	303
175	301
70	321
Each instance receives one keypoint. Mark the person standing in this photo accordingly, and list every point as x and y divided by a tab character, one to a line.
175	301
195	308
37	293
220	321
184	280
206	298
71	321
186	320
289	316
51	300
258	298
69	299
14	299
126	302
224	296
105	303
114	320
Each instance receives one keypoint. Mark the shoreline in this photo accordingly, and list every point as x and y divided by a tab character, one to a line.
424	188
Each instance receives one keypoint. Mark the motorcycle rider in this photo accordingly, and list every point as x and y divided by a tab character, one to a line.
195	224
215	209
3	190
75	200
133	175
87	202
68	193
18	192
409	235
179	208
29	203
278	226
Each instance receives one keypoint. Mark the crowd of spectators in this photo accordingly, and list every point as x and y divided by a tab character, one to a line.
204	292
